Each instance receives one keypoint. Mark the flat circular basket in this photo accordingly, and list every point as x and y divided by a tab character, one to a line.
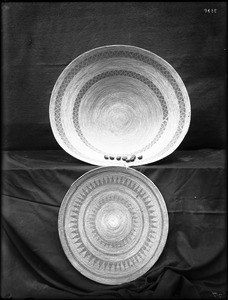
118	105
113	224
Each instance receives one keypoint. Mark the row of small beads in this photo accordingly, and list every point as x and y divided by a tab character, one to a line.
124	158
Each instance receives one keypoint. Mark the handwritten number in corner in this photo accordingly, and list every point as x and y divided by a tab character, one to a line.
210	10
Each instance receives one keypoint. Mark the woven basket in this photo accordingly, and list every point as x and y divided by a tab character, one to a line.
118	105
113	224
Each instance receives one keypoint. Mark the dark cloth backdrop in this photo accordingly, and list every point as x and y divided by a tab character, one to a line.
39	40
192	264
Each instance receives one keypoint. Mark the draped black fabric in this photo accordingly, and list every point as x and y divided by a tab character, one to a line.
192	265
41	39
38	41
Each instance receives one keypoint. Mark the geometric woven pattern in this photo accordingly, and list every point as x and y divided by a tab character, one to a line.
118	102
113	224
101	76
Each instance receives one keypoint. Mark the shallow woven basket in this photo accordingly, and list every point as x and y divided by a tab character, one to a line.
113	224
118	105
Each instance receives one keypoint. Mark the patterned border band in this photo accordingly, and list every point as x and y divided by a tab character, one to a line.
114	54
112	73
77	239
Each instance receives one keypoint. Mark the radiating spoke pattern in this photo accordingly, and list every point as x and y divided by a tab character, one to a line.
113	224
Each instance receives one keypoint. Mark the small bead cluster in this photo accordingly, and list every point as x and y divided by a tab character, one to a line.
124	158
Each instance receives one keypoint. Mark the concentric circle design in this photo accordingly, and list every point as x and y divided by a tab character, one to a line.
119	101
113	224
